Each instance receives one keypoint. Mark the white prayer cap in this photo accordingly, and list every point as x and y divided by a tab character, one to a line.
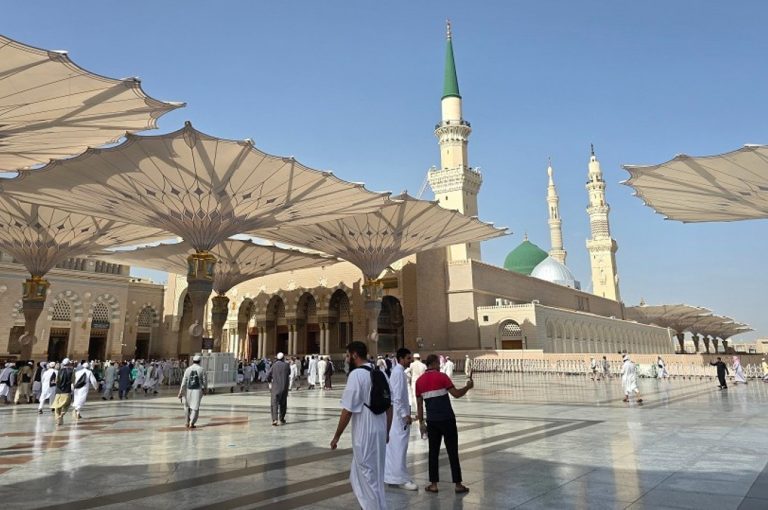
65	362
196	357
417	355
280	355
51	364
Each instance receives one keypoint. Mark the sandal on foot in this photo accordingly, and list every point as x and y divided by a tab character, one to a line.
429	488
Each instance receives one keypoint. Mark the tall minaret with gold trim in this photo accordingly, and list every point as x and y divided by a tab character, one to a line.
455	183
556	251
602	248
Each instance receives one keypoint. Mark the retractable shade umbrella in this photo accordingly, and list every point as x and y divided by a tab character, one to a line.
726	187
51	108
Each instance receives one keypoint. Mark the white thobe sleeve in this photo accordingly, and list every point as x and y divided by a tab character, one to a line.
397	385
353	399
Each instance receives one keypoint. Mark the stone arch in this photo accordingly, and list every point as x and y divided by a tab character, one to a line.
247	335
111	303
74	301
390	325
276	325
147	316
307	324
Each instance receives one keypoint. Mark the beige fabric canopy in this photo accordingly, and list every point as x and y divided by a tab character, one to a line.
679	317
51	108
375	240
201	188
237	260
41	237
726	187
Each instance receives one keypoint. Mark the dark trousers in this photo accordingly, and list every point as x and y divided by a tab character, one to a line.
721	379
436	431
279	403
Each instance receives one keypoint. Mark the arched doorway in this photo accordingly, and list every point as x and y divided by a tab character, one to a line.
307	325
277	327
144	324
97	342
511	335
390	326
58	339
340	320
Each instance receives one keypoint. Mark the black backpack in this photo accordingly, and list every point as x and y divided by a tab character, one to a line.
194	380
81	381
381	399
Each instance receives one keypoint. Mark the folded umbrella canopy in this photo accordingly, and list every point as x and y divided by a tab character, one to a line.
50	108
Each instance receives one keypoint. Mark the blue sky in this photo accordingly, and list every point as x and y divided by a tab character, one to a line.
354	87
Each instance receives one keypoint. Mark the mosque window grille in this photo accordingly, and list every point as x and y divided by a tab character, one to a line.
62	311
100	314
511	330
146	318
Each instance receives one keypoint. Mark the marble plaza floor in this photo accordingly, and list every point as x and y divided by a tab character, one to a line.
525	442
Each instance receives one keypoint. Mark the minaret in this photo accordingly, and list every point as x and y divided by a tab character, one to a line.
602	249
555	223
455	183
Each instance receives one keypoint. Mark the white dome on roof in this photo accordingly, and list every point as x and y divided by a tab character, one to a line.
554	271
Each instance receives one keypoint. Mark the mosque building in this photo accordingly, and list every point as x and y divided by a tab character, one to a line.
439	300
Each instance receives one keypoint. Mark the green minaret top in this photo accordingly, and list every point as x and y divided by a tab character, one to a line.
451	82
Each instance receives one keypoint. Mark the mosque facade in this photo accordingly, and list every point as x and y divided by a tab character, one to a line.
439	300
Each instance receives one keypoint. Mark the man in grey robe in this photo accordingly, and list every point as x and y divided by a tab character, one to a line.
109	381
195	382
279	376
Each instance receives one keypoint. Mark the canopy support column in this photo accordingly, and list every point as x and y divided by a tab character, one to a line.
725	345
706	343
373	292
681	341
696	339
218	319
35	291
200	267
714	342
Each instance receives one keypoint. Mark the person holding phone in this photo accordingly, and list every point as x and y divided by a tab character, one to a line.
432	390
396	471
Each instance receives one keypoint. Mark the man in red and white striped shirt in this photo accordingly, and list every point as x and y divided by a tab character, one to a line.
432	390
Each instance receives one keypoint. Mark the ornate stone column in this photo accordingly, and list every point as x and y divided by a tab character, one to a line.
373	292
291	339
696	339
218	319
200	268
34	292
681	341
714	343
706	343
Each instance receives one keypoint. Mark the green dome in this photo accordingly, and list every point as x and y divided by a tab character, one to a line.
524	258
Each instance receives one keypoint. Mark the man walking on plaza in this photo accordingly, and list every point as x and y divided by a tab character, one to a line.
369	428
47	386
279	375
322	366
312	369
24	377
722	371
63	398
396	471
124	380
83	379
432	390
415	371
629	380
110	373
195	382
7	380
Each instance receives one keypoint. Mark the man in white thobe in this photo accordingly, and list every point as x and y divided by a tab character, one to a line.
293	376
83	378
322	366
369	432
396	471
312	379
195	382
7	379
448	367
629	380
415	371
47	386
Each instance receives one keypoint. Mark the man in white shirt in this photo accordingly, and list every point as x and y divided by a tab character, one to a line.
396	471
415	371
369	430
